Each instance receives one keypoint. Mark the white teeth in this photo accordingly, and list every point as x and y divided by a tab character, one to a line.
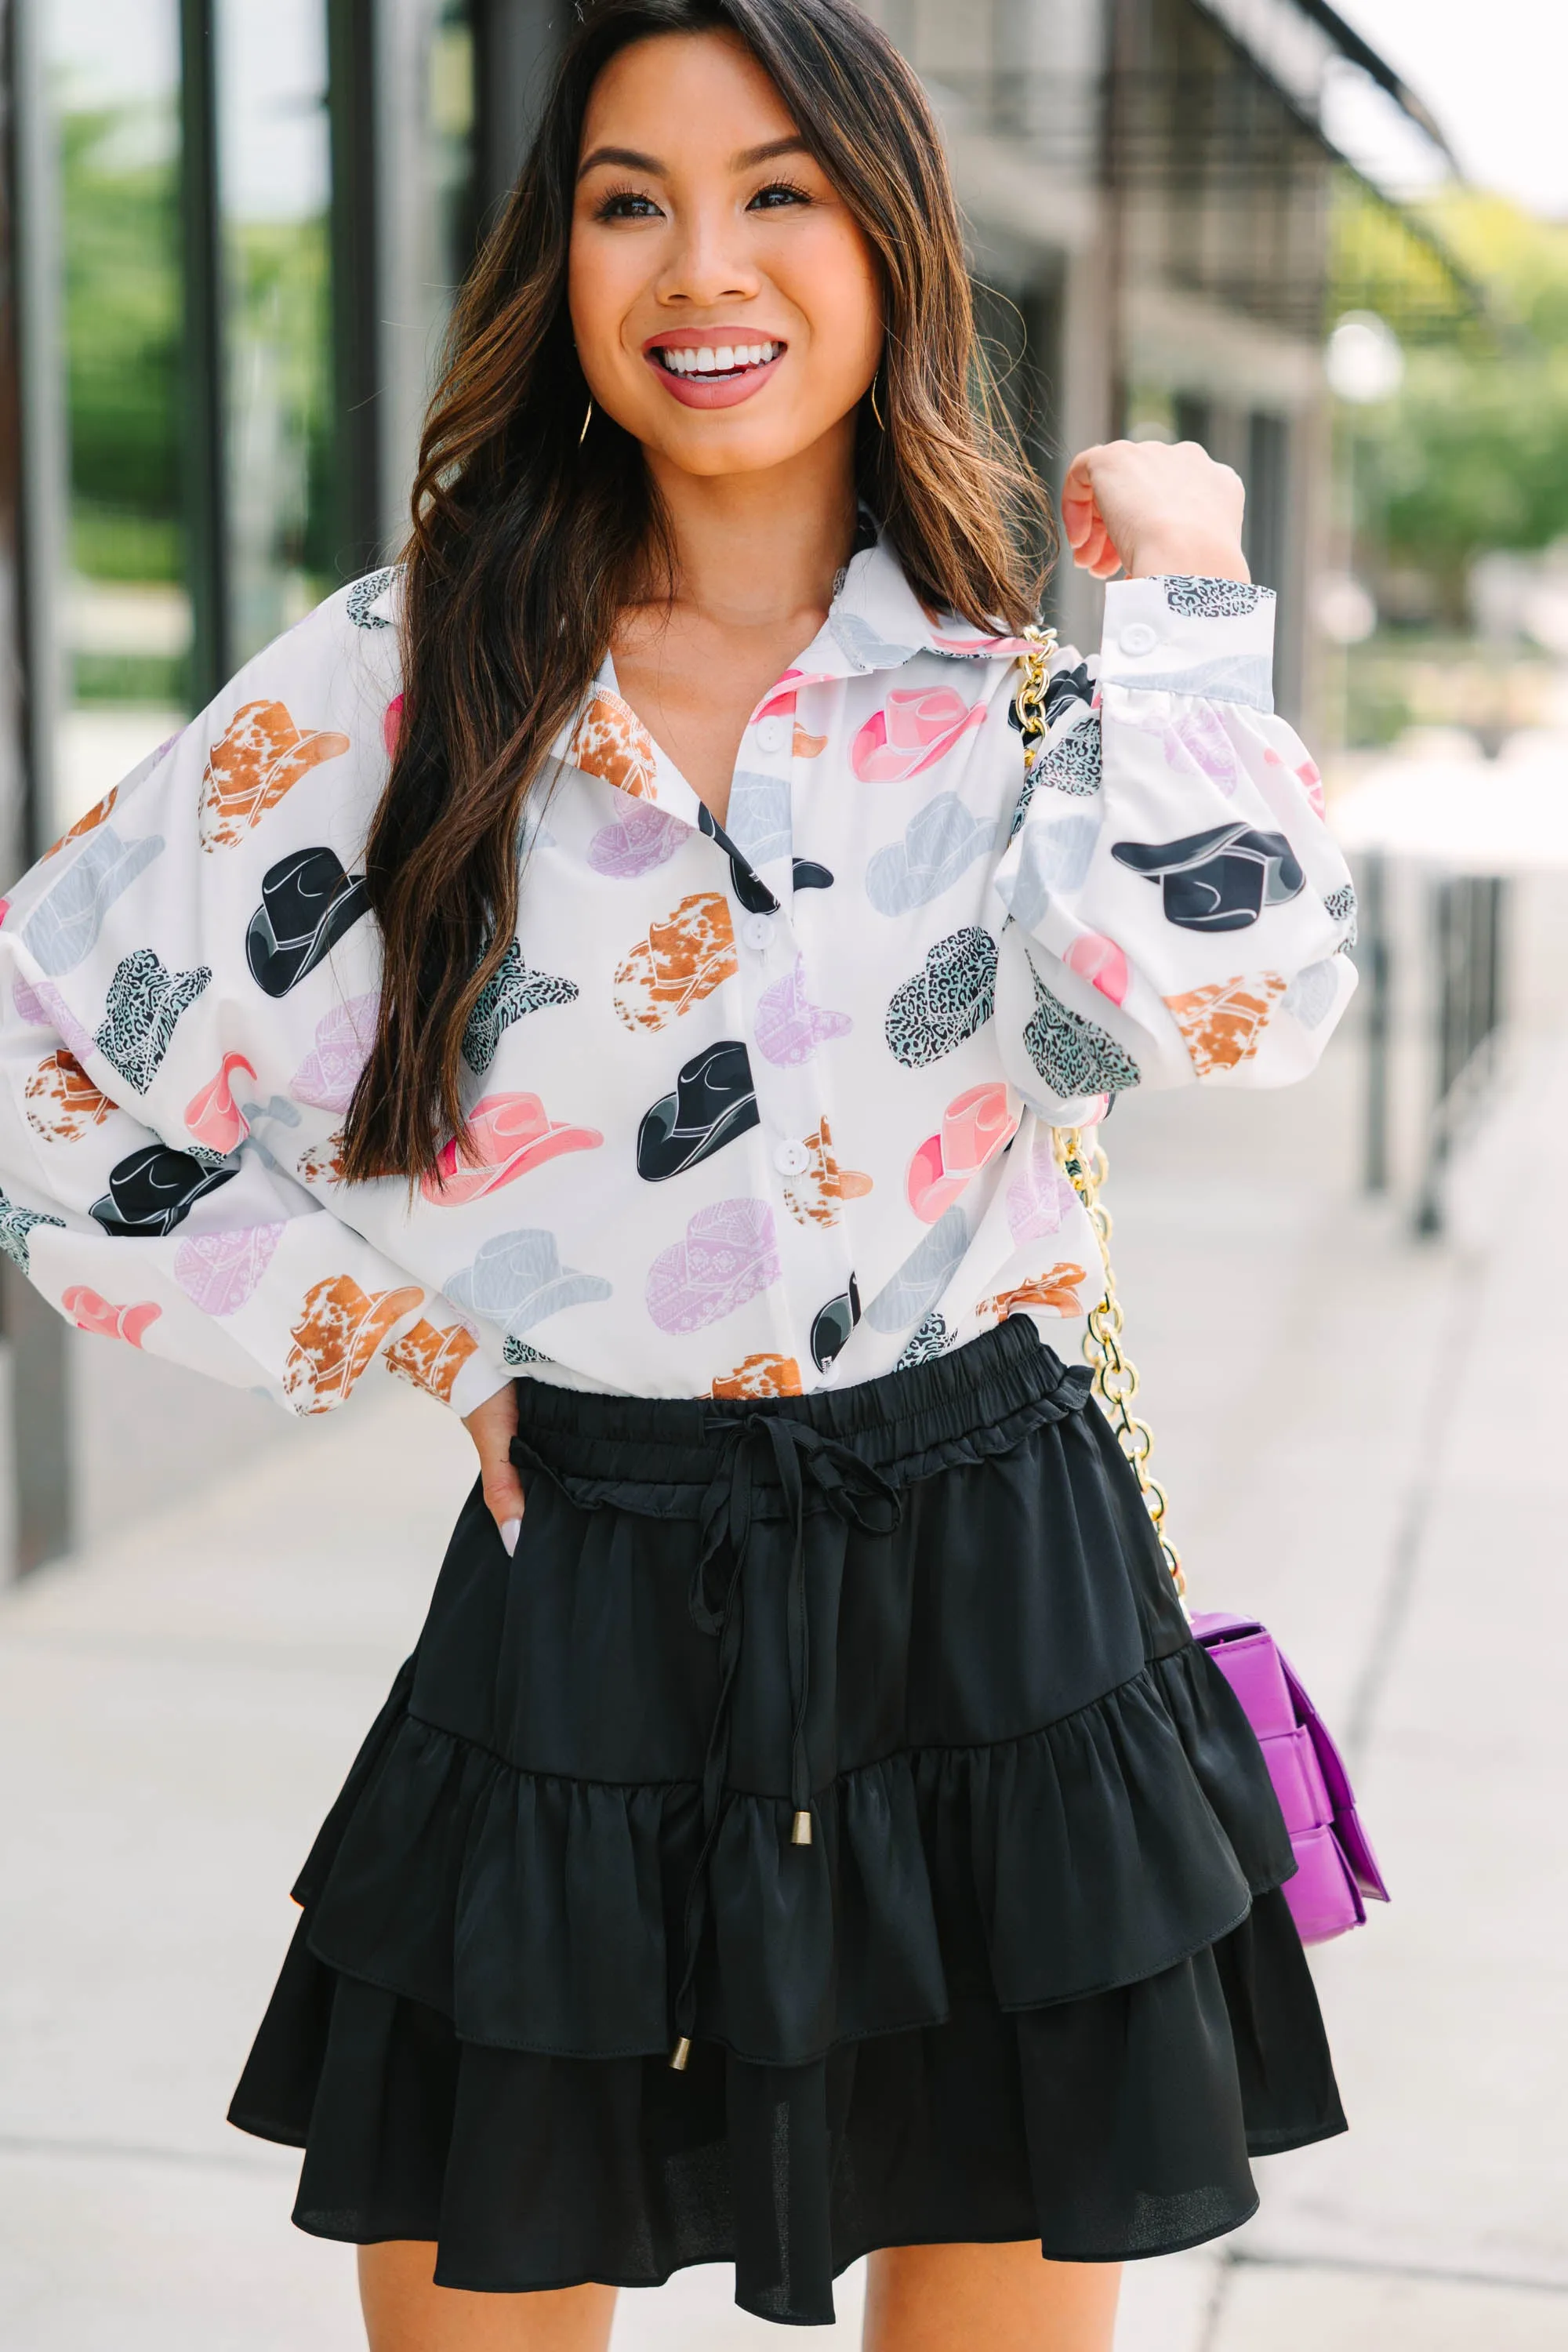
722	359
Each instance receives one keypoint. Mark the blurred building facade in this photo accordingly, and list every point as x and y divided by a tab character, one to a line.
233	229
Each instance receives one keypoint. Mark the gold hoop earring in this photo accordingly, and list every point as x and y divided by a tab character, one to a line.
586	422
875	410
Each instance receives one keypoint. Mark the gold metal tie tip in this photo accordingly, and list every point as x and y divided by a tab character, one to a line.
801	1833
679	2054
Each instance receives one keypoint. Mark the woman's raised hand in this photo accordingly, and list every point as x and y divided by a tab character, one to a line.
492	1426
1154	508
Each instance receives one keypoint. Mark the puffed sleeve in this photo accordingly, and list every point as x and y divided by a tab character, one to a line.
187	992
1178	911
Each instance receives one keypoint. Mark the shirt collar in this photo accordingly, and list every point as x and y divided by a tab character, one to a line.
875	623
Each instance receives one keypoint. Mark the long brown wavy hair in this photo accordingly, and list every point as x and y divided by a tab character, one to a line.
525	546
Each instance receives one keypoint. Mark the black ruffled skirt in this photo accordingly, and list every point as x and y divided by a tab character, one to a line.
857	1741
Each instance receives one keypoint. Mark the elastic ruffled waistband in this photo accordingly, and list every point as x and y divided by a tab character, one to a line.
657	1454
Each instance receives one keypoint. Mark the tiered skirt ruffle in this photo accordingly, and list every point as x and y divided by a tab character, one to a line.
1040	1985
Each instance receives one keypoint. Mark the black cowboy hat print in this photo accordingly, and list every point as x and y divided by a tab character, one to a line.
714	1101
153	1190
308	902
1220	880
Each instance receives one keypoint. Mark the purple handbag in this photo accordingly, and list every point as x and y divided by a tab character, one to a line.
1335	1866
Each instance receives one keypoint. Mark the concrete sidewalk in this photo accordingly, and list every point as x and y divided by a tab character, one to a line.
1362	1439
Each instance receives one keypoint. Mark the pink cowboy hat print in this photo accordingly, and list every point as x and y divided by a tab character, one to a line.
916	726
509	1134
975	1127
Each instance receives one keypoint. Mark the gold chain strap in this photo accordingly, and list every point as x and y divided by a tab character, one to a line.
1115	1376
1115	1379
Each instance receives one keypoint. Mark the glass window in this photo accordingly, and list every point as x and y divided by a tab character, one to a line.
275	177
113	69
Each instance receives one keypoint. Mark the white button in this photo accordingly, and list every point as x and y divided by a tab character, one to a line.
1138	639
757	931
772	735
791	1159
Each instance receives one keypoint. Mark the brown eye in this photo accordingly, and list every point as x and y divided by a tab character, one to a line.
776	194
627	203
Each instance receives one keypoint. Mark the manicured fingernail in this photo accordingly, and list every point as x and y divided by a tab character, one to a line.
510	1531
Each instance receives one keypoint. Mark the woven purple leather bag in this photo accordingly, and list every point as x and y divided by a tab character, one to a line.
1336	1870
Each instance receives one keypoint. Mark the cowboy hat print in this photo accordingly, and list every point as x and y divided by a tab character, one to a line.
610	740
812	1197
64	927
512	990
682	958
714	1101
508	1135
1222	1024
915	728
366	602
219	1272
144	1003
764	1375
947	1002
928	1340
153	1189
339	1328
1055	1292
15	1228
789	1026
941	843
832	1323
63	1103
1102	963
43	1007
975	1126
913	1290
1310	995
261	755
517	1279
634	844
431	1359
322	1162
90	1311
1074	1055
1220	880
213	1117
1040	1197
729	1255
328	1073
1055	858
757	821
307	903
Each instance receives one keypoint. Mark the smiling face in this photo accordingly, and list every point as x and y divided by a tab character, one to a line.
726	305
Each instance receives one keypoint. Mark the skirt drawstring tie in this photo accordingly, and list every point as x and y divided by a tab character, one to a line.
799	1455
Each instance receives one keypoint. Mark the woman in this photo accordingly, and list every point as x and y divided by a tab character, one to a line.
618	973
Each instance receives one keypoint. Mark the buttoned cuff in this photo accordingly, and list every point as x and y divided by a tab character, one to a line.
1213	639
478	1379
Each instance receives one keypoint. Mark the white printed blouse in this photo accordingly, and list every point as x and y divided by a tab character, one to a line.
752	1108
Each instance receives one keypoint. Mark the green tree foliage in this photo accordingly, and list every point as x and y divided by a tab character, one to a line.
1474	453
120	236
